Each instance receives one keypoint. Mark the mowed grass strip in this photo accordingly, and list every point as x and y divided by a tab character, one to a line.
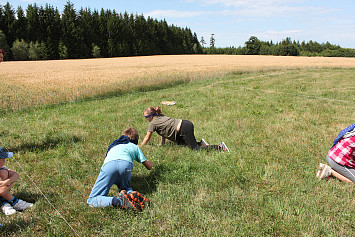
27	84
265	186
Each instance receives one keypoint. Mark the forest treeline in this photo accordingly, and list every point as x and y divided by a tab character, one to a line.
44	33
38	33
286	47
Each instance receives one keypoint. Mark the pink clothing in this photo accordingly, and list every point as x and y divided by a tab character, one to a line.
344	152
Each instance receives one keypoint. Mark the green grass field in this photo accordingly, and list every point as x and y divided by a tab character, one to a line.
278	126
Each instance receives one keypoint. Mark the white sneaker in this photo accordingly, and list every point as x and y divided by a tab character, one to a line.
7	209
203	142
324	171
223	147
22	205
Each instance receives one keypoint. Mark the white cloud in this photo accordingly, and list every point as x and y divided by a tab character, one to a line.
260	8
246	3
267	11
344	21
174	13
37	1
277	34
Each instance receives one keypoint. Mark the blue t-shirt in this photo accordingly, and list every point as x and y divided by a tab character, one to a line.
129	152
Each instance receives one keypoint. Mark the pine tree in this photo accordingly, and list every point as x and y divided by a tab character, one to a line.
212	41
9	24
21	25
32	22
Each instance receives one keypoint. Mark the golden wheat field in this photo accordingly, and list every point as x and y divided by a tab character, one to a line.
33	83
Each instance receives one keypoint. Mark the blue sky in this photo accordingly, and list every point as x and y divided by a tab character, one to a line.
234	21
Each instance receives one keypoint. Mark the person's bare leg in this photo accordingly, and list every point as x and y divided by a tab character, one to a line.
340	177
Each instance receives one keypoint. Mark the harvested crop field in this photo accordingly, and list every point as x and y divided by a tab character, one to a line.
33	83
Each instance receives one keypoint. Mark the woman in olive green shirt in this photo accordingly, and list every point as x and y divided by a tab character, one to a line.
176	130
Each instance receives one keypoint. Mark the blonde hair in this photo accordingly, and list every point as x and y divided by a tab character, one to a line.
152	110
132	133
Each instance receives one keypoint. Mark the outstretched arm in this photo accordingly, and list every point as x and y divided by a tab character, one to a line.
148	164
146	138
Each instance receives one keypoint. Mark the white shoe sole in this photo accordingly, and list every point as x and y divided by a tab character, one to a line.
322	174
319	170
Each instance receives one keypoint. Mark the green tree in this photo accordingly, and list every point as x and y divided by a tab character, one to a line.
63	51
103	39
36	51
71	36
85	31
212	41
3	43
32	22
20	50
9	24
21	25
253	46
96	52
202	41
52	32
113	33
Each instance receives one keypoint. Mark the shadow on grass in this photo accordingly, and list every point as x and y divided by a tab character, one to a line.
14	227
147	184
28	197
49	142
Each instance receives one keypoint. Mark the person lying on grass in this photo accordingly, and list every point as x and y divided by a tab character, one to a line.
176	130
10	204
117	169
341	157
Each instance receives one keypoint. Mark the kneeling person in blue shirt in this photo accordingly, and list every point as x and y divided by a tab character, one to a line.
117	169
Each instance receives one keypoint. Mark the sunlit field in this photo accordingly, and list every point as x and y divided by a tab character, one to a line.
33	83
278	116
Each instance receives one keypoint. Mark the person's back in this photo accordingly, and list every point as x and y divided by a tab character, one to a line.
129	152
164	126
116	170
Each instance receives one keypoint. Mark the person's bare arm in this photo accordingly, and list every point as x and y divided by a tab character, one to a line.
146	138
148	164
4	174
13	175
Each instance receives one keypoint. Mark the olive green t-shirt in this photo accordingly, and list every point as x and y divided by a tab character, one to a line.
164	126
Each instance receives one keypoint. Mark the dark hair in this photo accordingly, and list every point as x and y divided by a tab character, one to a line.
152	110
2	51
132	133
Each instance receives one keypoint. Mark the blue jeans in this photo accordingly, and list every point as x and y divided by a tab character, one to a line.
114	172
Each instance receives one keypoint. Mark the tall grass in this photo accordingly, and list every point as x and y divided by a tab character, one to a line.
278	125
28	84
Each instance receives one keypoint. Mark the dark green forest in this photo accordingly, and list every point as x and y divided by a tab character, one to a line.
286	47
43	33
